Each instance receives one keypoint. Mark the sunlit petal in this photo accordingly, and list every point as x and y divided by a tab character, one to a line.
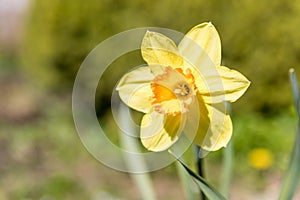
220	129
160	51
214	128
202	37
225	85
159	132
134	89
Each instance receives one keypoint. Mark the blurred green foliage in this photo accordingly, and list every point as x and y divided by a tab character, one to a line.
259	39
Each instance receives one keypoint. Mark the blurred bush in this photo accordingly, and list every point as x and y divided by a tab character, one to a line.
259	39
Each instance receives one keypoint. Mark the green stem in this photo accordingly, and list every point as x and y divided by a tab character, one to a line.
200	170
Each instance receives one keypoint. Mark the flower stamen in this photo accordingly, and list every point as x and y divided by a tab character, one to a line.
182	89
173	91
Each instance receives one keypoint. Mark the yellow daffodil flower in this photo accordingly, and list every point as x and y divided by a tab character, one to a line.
179	82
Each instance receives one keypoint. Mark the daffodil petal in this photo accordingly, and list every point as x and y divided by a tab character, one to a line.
202	37
134	89
225	85
159	52
220	129
215	127
159	132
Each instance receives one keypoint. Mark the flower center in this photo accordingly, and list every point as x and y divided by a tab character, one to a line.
182	89
174	91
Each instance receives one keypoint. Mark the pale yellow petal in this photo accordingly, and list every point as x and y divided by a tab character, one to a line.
220	129
224	85
159	132
160	51
214	129
134	89
203	37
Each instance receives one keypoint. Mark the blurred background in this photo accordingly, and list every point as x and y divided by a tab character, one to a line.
43	43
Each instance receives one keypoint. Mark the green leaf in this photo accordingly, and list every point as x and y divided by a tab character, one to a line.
291	179
205	187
